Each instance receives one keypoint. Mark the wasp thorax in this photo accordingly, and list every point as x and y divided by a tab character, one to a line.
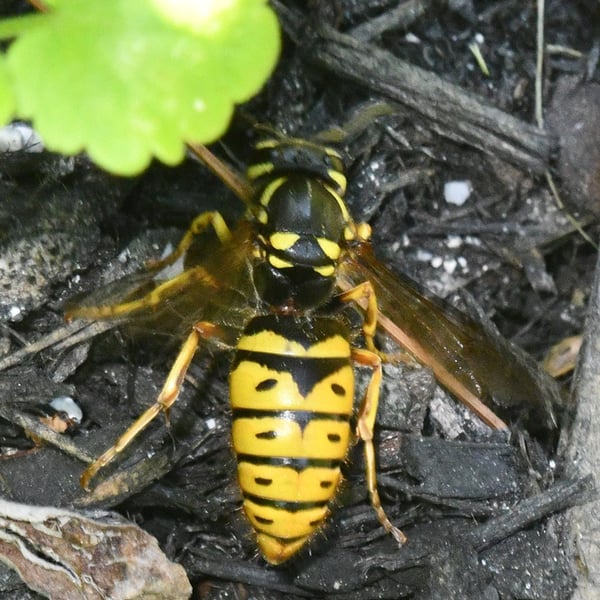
275	158
301	232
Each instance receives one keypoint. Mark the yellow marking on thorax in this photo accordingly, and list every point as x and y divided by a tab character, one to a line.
341	203
331	248
326	271
267	143
279	263
363	231
332	152
261	215
270	189
255	171
283	240
357	231
339	178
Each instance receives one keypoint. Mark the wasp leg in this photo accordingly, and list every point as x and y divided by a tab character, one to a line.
150	300
364	296
364	430
166	398
199	225
364	291
361	294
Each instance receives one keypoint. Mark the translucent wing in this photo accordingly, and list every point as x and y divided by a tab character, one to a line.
470	360
215	285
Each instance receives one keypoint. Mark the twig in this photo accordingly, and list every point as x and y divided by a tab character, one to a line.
62	338
539	65
399	17
446	108
581	451
575	222
563	494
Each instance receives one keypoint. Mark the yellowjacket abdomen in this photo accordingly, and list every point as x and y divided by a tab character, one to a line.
292	390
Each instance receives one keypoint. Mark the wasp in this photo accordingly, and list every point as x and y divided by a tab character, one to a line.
292	379
273	290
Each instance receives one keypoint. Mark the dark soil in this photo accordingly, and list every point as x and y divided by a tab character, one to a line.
475	503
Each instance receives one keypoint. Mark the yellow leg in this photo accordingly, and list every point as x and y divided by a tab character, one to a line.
199	225
166	398
150	300
364	430
365	291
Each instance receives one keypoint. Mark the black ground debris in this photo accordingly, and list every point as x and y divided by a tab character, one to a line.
485	511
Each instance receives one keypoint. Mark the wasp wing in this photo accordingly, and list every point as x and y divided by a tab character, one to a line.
471	360
214	285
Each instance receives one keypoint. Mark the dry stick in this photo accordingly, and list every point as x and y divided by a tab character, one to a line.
577	224
399	17
580	447
454	113
539	65
246	573
563	494
62	338
447	108
69	445
560	496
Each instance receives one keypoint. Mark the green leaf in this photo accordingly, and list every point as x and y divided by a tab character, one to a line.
127	80
7	100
